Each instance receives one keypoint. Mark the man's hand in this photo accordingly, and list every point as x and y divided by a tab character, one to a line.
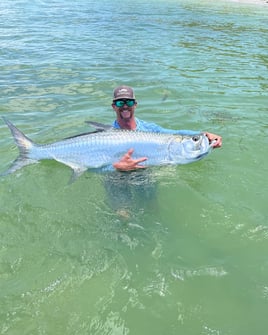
127	163
216	138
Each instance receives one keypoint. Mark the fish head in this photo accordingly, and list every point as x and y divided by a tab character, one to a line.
192	148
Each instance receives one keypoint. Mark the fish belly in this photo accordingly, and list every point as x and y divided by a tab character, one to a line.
94	151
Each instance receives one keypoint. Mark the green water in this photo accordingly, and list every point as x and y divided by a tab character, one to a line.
186	251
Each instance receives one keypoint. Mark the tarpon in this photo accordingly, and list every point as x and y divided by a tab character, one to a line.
103	147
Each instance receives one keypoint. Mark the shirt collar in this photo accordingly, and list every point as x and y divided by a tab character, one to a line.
117	126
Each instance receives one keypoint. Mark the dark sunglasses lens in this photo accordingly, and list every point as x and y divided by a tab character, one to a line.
130	103
120	103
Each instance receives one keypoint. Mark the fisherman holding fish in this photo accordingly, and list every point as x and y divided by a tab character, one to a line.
102	149
124	104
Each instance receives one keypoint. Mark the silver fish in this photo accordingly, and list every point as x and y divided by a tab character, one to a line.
101	148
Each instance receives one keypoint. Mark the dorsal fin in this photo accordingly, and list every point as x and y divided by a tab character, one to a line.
99	126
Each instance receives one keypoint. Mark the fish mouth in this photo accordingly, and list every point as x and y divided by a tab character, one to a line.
211	143
205	152
202	155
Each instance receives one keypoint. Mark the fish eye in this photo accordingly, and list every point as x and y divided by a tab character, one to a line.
195	138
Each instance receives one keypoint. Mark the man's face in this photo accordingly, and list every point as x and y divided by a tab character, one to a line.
124	108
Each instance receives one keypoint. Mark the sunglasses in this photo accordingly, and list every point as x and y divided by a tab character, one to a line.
128	102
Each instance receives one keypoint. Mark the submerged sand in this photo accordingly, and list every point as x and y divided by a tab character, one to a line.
261	2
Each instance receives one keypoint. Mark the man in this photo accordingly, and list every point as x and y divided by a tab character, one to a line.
124	105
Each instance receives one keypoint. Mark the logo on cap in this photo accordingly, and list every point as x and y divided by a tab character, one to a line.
123	90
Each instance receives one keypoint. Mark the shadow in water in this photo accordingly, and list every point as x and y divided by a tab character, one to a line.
130	192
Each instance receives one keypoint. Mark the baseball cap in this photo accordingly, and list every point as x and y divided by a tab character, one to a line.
123	92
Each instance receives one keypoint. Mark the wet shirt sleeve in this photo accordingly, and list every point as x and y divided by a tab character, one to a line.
153	127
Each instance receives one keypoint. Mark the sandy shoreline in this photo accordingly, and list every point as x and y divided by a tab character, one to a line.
260	2
245	2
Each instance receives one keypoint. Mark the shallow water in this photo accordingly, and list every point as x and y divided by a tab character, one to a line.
180	250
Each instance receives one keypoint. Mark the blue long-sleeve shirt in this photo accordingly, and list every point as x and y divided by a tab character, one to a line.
153	127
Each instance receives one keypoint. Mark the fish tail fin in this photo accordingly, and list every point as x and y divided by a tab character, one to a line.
24	144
